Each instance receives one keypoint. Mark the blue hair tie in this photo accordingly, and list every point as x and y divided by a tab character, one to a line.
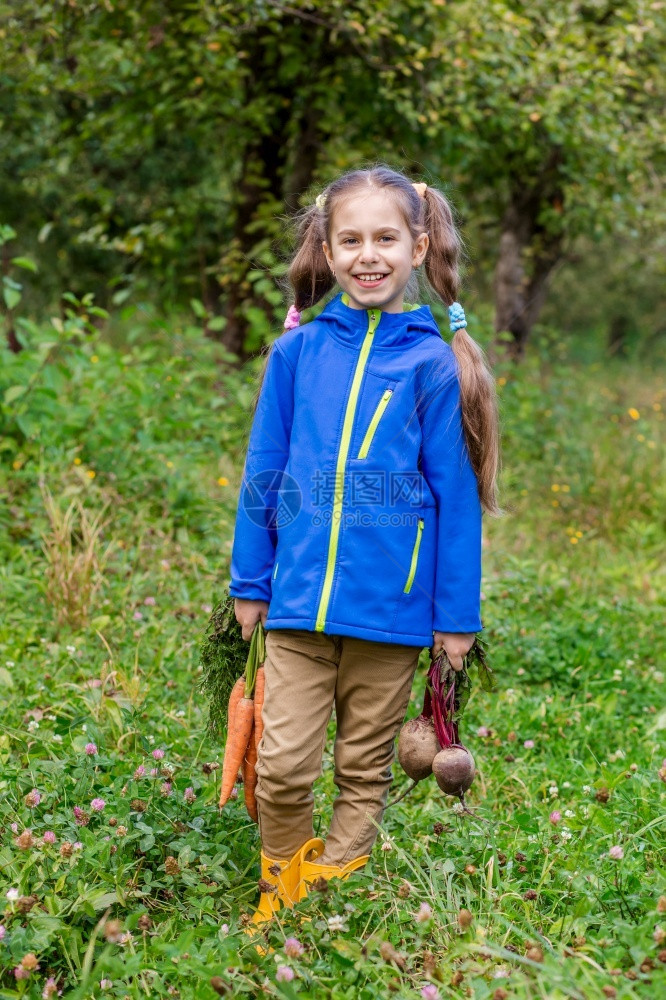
457	317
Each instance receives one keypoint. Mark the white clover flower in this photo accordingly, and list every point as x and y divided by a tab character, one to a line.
33	726
587	789
12	895
57	738
9	663
565	834
553	791
70	649
336	922
569	813
458	808
566	784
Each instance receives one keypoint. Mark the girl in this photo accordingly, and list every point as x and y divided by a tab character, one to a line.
373	451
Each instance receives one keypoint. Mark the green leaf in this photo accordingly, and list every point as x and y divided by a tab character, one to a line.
146	842
25	262
13	392
11	297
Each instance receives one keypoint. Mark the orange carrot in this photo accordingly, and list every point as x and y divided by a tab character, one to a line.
237	692
250	778
259	686
238	736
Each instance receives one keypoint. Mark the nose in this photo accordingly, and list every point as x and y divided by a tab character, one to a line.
369	252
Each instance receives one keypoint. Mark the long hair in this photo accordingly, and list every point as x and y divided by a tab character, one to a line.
311	278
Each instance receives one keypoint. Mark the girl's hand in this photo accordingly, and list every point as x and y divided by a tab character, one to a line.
248	613
455	645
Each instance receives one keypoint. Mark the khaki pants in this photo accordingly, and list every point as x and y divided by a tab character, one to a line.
307	673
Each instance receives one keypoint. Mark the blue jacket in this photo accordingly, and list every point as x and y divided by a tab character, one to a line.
359	511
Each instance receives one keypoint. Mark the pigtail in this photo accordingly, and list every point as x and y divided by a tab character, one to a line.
478	396
309	274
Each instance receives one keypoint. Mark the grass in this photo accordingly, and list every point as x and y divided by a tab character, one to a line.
106	593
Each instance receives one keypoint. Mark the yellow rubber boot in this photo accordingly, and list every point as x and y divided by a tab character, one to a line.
311	871
280	880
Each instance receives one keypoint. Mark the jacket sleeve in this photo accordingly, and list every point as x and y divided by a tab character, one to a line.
448	471
255	532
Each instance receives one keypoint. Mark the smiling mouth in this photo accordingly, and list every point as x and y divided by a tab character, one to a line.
369	279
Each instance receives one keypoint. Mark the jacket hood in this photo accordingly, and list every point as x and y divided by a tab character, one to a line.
394	330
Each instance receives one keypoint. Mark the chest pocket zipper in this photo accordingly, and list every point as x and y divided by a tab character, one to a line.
372	427
276	569
415	557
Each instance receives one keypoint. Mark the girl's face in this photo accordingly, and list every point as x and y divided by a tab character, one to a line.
372	252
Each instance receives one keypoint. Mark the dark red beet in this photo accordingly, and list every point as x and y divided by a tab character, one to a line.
417	747
454	769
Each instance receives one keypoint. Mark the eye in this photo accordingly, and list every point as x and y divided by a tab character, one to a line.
349	239
390	238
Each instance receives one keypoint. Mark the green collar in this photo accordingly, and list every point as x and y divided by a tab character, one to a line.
406	307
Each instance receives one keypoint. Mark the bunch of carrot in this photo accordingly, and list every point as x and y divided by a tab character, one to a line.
244	726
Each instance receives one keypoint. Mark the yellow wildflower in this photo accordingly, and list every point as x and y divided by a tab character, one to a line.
640	437
574	540
223	481
77	460
94	359
633	413
555	503
501	380
579	534
565	488
169	465
555	487
17	463
91	473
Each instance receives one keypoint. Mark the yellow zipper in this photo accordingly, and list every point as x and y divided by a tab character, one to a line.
374	315
415	557
372	427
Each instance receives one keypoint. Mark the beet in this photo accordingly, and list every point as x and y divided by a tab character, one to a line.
417	747
454	769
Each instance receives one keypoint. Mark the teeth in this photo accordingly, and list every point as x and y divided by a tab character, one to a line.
369	277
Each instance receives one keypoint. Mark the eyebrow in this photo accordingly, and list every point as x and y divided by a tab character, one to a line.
382	229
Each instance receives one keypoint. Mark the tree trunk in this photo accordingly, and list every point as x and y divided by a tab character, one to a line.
617	335
528	252
269	171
